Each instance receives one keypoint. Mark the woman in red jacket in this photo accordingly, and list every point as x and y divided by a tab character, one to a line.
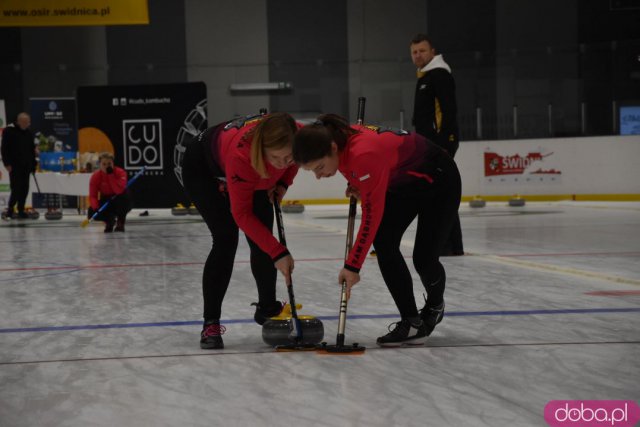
230	172
397	176
105	183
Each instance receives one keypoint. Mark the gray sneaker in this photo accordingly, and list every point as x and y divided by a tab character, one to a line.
211	336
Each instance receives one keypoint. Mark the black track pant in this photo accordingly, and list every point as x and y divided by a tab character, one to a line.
436	206
201	184
118	208
454	244
19	183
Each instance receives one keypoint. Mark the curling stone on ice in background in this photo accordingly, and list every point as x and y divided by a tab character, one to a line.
193	210
278	330
32	213
179	209
292	206
516	201
477	202
53	215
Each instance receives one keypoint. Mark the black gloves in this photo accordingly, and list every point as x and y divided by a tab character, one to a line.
110	169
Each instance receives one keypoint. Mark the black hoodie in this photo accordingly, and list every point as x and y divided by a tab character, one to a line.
18	148
434	109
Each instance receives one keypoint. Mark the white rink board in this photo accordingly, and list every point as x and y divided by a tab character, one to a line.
590	165
593	165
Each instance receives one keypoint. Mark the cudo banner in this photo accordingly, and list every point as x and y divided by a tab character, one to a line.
141	125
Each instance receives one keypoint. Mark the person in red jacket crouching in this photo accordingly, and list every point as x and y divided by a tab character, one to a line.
231	172
105	183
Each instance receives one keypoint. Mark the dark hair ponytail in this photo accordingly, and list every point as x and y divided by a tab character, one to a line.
313	141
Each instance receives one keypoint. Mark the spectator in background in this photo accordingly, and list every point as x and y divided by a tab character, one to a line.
435	112
106	182
19	158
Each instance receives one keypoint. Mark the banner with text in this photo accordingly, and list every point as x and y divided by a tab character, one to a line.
53	122
46	13
3	116
141	125
508	166
4	175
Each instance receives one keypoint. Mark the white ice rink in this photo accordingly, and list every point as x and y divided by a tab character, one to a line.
103	330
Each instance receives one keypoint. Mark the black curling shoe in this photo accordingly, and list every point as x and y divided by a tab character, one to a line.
431	316
108	226
405	333
264	313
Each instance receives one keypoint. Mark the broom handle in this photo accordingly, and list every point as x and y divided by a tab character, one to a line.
353	204
283	241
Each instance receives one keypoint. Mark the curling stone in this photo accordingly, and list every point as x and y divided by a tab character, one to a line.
292	206
278	330
179	209
193	210
517	201
32	213
477	202
53	215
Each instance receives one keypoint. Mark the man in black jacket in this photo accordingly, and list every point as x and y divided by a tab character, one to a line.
19	158
434	111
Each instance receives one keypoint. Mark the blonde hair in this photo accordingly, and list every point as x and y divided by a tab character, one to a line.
274	132
105	155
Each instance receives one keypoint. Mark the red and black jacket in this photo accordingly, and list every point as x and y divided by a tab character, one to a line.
103	185
376	160
230	150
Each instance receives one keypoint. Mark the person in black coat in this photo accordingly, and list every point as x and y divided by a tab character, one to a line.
19	158
435	111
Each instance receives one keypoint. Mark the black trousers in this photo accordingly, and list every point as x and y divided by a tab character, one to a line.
454	244
19	184
435	205
118	208
212	200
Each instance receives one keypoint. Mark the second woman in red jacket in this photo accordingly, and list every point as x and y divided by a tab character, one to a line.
398	176
230	172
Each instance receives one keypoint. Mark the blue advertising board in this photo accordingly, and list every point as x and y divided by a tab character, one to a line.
630	120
